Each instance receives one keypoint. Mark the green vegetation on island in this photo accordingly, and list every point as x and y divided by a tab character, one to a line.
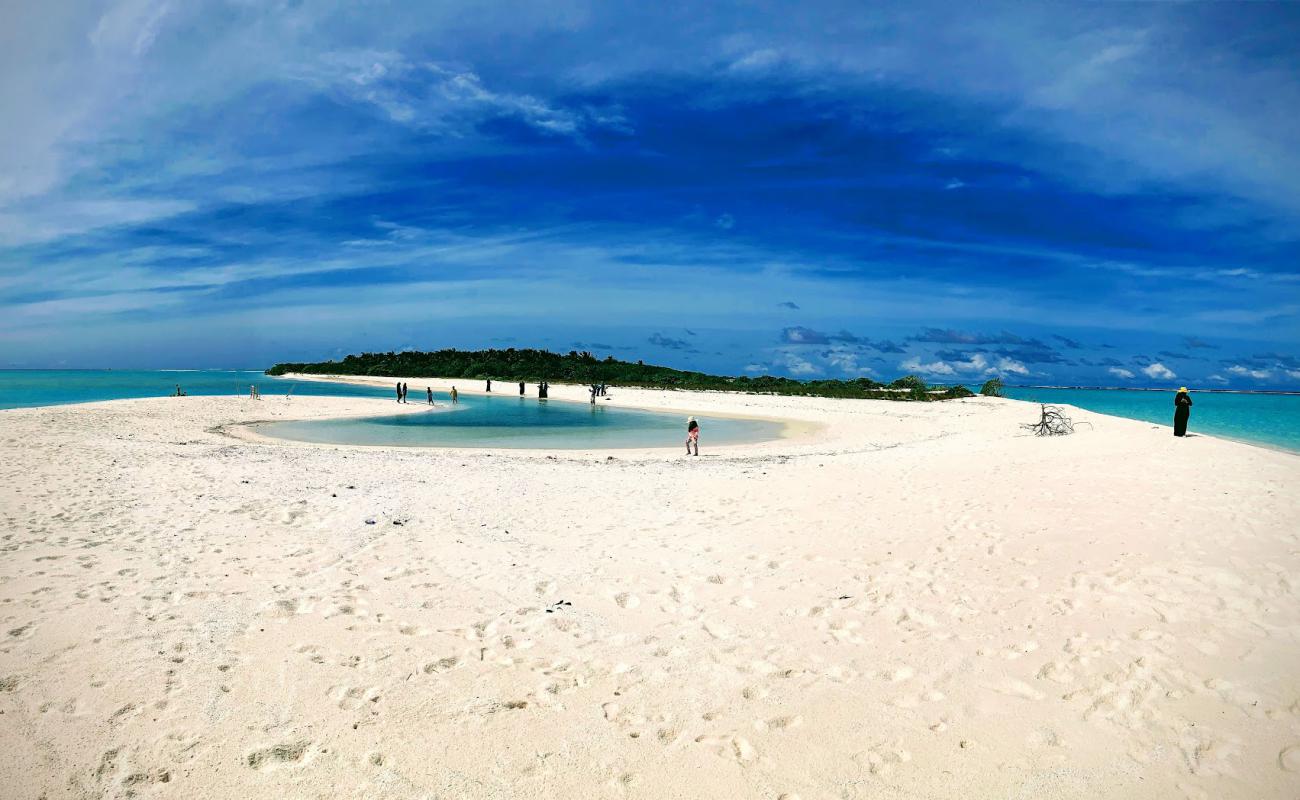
584	368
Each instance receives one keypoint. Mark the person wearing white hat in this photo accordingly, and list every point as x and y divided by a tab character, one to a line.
692	436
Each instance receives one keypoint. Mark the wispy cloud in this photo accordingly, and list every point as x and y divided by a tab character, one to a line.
298	178
1257	374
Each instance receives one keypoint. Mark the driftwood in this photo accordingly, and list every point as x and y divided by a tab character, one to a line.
1052	423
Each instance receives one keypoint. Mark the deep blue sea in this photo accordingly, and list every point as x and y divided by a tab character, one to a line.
1268	419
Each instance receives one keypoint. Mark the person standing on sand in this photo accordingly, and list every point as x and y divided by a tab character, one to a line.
1182	411
489	384
428	391
521	388
692	436
399	391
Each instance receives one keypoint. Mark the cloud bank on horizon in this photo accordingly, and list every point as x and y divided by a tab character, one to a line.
1105	196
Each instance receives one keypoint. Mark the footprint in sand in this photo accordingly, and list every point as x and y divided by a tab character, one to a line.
1057	672
280	755
441	665
626	600
138	778
778	723
22	631
1289	758
351	698
883	759
730	747
285	608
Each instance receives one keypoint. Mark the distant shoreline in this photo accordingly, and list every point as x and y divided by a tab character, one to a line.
1142	389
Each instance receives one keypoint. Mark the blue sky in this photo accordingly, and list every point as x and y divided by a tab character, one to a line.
1099	194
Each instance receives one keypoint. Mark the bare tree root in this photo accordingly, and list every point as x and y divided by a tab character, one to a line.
1052	423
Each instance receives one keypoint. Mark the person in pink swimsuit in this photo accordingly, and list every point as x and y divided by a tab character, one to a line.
692	436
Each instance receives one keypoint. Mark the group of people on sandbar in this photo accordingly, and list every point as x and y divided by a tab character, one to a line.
403	388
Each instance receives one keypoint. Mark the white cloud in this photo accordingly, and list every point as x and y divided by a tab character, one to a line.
1158	370
975	364
1294	373
846	361
1120	372
1217	379
1010	366
799	365
933	368
1257	374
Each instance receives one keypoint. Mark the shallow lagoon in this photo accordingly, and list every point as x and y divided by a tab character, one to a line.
529	423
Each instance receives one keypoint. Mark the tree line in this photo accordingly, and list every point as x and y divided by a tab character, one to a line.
582	367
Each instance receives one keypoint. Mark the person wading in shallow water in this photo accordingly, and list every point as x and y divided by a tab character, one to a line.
454	396
692	436
1182	411
428	392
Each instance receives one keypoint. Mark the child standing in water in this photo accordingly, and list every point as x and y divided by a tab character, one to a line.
692	436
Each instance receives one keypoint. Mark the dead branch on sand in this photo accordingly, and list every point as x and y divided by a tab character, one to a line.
1052	423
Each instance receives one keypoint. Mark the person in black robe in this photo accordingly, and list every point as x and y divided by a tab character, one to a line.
1182	411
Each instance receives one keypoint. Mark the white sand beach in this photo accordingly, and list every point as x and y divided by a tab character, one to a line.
902	600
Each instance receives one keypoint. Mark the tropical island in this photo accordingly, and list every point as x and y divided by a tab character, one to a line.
584	368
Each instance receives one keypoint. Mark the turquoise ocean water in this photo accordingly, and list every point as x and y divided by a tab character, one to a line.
1267	419
1272	420
498	421
48	387
511	422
